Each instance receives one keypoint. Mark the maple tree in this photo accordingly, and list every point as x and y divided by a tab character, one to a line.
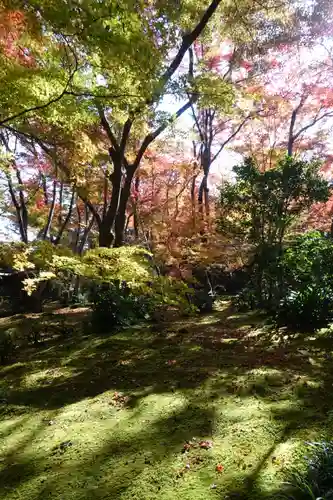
104	63
296	109
219	117
92	110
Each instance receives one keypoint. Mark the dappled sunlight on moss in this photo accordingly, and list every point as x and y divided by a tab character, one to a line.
128	403
45	377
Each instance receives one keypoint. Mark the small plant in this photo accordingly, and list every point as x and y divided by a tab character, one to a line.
114	304
306	282
317	483
307	308
7	345
35	334
117	304
295	286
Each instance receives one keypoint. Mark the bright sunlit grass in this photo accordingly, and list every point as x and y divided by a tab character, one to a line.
142	415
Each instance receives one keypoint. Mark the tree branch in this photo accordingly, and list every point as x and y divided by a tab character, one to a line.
152	136
67	218
47	104
240	126
107	128
119	148
188	40
291	137
59	163
51	211
312	123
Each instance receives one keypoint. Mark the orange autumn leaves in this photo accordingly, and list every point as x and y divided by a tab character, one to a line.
13	25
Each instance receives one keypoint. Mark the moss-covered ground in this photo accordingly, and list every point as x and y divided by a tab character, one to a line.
215	407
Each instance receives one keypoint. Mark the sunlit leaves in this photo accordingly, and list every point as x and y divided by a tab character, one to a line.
262	204
214	91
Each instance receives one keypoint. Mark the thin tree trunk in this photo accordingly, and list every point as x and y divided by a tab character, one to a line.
23	205
61	192
78	230
51	211
291	133
135	214
22	227
136	224
86	234
67	219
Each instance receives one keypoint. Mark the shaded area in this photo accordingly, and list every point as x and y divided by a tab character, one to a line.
128	404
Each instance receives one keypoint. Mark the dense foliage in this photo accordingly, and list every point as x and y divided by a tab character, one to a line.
291	280
113	120
120	121
262	204
296	286
306	281
317	482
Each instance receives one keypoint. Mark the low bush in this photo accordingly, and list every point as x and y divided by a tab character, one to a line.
7	345
307	281
295	285
113	304
116	304
317	483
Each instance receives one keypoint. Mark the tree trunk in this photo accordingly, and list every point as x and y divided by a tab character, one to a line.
121	213
67	219
193	204
106	236
136	224
85	235
135	214
51	211
203	189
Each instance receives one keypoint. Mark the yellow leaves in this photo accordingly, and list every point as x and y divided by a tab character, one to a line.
214	91
6	160
31	284
21	260
128	264
81	156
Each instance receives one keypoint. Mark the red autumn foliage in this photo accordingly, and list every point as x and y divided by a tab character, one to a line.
13	24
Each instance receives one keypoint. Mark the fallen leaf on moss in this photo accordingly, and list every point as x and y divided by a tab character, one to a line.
206	444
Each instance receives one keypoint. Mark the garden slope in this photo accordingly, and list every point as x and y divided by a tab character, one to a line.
147	414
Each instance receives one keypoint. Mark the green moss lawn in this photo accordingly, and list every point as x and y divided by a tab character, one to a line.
211	408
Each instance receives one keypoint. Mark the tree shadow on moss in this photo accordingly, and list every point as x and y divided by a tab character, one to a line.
108	471
138	363
226	356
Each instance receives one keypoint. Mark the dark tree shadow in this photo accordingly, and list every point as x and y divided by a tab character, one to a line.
226	351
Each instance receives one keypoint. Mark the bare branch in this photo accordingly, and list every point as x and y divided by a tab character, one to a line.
312	123
240	126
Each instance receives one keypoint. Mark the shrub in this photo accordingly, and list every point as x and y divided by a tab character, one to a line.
308	307
7	345
296	286
116	304
306	281
262	204
317	483
203	300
